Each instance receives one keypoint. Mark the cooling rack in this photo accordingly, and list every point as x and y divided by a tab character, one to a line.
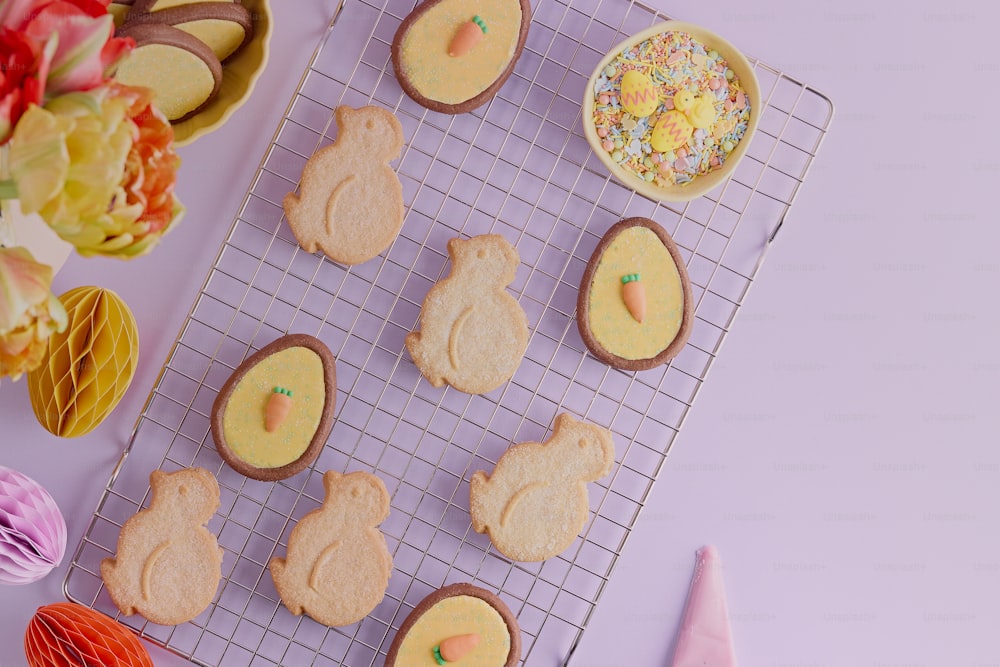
519	167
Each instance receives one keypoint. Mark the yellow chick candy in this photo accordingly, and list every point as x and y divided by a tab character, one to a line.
638	94
700	111
675	127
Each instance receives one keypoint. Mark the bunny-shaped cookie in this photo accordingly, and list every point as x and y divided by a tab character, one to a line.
338	565
474	333
350	202
168	565
535	502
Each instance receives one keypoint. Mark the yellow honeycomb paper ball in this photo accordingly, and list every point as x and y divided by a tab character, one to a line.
88	366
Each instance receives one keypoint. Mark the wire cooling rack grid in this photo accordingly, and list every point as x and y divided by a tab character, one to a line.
519	167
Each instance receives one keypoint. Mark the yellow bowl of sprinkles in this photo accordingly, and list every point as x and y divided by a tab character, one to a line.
671	110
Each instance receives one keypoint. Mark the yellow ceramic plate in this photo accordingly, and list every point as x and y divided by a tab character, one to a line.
700	184
239	75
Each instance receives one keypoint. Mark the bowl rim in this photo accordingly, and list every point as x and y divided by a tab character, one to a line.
264	39
744	71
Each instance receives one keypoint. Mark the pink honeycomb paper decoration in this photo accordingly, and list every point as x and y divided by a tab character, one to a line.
32	530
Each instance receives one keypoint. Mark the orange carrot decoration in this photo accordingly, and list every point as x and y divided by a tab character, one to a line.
468	35
634	296
278	407
455	648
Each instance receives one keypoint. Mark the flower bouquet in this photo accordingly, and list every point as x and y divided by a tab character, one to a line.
92	158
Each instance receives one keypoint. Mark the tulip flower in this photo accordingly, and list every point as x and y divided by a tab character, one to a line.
29	312
51	47
99	167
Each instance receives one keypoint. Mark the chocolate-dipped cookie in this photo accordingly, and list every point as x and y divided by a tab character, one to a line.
273	415
634	308
459	623
225	27
143	6
182	71
454	55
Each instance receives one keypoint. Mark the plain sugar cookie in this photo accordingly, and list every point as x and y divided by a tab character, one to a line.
473	333
535	503
350	201
168	566
337	567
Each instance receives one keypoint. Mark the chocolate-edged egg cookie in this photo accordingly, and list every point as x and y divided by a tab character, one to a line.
273	415
183	72
634	308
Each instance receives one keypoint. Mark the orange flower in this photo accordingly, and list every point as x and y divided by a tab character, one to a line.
151	165
29	312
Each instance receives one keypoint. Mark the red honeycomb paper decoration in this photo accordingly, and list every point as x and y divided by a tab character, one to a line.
66	634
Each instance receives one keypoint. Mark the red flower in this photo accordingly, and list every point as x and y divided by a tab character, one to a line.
51	47
23	68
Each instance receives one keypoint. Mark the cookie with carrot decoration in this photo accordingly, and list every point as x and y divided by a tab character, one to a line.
272	417
634	308
454	55
461	625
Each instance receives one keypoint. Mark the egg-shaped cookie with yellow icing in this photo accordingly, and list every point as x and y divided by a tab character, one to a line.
453	56
460	624
634	308
182	71
273	415
225	27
